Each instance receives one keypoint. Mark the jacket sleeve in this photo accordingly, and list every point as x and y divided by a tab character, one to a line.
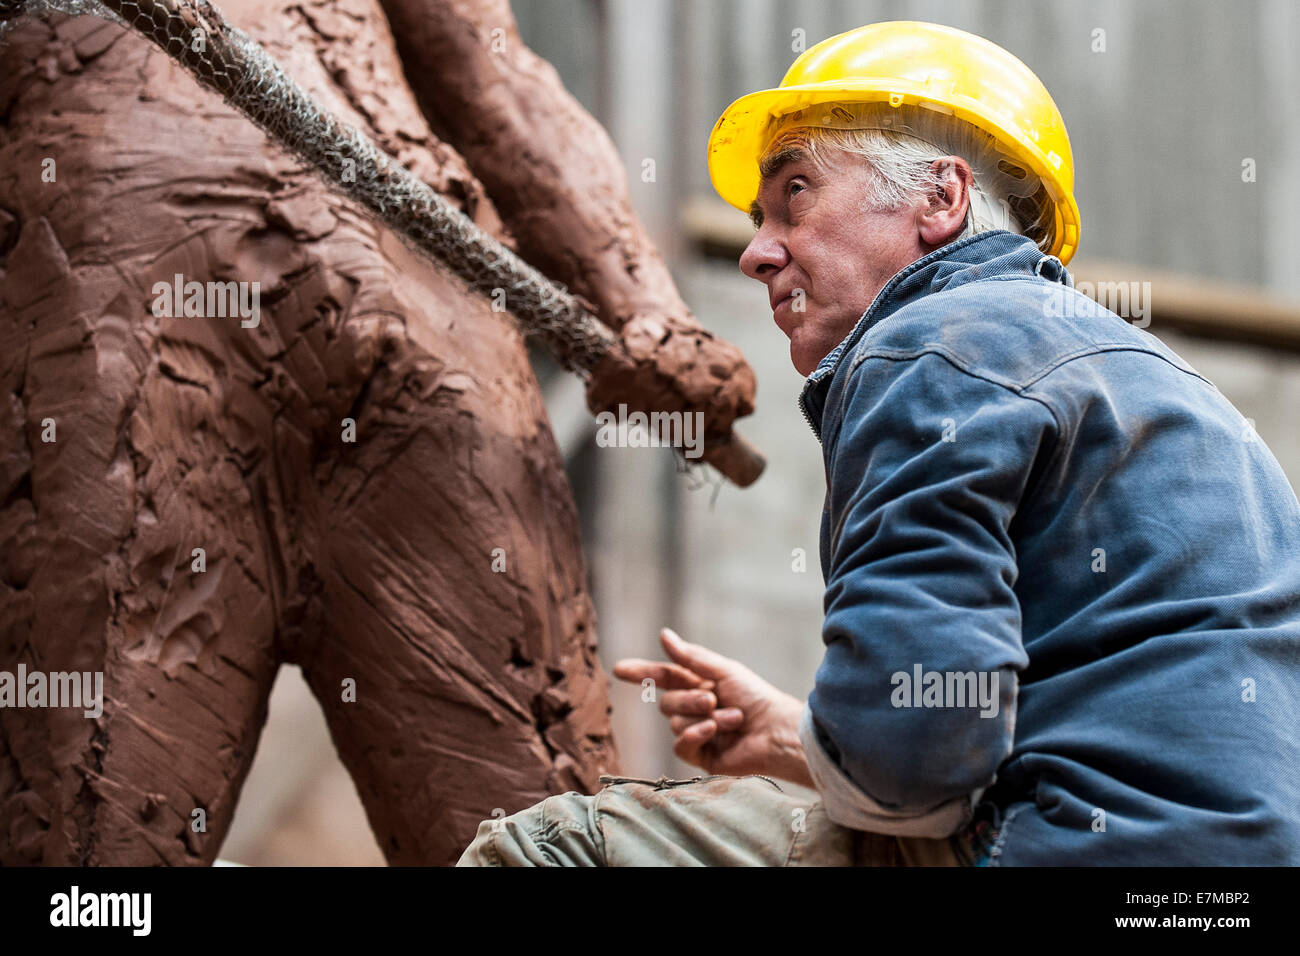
924	479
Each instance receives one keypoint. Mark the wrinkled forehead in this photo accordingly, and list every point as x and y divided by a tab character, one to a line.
775	160
791	146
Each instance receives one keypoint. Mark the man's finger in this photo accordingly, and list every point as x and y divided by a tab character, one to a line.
666	676
696	703
678	724
688	744
699	659
729	718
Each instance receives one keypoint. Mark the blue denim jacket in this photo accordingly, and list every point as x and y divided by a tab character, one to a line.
1030	496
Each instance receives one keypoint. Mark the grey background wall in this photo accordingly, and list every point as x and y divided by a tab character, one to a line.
1160	124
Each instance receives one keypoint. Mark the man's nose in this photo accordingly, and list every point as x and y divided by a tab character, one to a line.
763	256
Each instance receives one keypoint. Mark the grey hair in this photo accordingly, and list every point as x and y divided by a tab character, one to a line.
900	144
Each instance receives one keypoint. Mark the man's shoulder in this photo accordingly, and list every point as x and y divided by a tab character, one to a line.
1012	330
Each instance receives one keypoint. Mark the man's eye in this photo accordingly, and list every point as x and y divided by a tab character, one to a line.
795	184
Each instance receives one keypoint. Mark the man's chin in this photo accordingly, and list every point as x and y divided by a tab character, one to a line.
804	364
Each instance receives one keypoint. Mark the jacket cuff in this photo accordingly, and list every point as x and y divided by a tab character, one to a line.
849	806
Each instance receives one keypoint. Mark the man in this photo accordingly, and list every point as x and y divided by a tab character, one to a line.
1062	610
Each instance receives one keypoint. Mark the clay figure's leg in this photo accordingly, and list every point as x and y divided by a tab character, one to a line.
131	546
132	554
456	663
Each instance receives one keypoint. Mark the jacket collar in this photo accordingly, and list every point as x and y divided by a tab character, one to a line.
981	256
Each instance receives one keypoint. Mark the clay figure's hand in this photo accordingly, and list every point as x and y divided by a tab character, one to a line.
726	718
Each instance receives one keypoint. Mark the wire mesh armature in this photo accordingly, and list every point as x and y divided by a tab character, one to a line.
227	61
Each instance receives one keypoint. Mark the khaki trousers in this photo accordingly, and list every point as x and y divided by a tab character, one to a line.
706	821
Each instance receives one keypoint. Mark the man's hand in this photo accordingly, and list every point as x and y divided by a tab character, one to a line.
726	718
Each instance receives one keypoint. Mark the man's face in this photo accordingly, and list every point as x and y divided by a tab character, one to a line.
822	254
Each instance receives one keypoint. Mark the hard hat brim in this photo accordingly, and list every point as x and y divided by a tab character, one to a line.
741	134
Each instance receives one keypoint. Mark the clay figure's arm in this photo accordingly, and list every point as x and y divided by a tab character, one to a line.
551	169
558	183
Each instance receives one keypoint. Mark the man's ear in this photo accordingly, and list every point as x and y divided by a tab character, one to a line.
948	202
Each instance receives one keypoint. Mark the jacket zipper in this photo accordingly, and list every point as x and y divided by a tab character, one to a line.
803	407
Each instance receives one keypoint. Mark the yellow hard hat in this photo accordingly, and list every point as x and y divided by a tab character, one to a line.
907	62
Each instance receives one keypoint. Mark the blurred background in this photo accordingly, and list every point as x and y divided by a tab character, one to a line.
1186	137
